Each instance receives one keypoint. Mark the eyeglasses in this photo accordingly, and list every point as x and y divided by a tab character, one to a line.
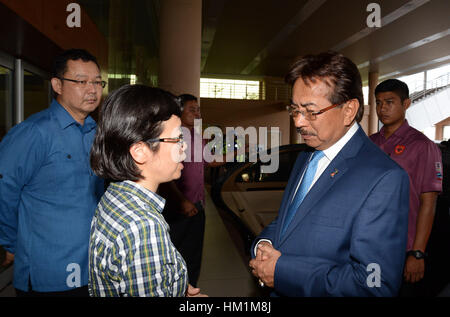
294	112
83	83
178	140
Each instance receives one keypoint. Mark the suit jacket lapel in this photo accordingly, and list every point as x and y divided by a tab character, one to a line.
325	182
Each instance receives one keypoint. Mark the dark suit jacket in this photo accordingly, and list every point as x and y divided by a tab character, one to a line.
352	222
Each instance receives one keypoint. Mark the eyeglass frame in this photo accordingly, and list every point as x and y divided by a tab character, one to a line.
179	140
85	82
314	113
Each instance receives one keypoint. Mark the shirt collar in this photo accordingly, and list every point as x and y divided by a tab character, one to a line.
333	150
147	196
65	119
399	132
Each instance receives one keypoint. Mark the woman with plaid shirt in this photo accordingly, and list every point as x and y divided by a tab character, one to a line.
138	145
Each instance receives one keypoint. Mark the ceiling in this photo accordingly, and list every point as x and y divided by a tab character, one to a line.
256	38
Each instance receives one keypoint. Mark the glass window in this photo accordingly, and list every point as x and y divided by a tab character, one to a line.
36	93
229	88
5	100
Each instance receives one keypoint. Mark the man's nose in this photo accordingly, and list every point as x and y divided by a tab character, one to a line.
300	121
91	86
384	107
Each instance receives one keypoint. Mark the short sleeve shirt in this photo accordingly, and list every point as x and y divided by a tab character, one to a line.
191	183
421	159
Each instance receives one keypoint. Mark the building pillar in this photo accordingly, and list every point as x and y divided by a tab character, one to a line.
439	133
180	46
373	118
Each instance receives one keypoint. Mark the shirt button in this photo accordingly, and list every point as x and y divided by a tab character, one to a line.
69	156
1	176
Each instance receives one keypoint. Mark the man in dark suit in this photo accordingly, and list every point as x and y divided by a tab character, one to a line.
342	224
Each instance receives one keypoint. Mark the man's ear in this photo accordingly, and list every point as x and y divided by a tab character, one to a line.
406	103
350	110
56	85
140	152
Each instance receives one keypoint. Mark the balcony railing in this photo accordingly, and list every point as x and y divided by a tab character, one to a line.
432	87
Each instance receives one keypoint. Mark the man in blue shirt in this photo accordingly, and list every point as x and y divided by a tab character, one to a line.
48	192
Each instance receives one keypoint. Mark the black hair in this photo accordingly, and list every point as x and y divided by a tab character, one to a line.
336	71
185	98
60	62
130	114
59	67
394	85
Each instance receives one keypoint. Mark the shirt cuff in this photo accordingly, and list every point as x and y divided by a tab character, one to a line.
256	245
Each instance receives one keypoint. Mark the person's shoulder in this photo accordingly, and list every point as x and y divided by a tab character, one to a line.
421	143
30	129
372	156
415	136
375	136
132	207
39	121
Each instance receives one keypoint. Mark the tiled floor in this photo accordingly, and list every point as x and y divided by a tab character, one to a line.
224	272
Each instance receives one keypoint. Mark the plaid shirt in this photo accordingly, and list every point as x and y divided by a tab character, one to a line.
130	251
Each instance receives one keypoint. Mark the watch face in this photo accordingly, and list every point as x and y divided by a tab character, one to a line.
417	254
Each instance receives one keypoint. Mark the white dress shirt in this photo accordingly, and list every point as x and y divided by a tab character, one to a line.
329	155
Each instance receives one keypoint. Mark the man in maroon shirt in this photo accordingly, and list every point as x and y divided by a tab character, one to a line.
422	160
184	211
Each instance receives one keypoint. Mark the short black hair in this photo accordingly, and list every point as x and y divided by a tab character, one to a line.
336	71
185	98
130	114
394	85
74	54
60	62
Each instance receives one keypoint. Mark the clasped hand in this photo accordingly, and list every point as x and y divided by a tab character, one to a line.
263	265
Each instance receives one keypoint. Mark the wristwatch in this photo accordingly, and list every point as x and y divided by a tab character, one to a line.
417	254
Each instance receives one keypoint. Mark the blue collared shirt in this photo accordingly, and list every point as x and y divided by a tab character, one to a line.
48	195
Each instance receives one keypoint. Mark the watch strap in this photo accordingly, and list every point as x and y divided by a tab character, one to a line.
417	254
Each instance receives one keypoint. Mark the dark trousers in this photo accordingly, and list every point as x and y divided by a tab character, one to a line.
187	235
77	292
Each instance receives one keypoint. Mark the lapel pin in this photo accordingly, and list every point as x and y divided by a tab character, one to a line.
334	173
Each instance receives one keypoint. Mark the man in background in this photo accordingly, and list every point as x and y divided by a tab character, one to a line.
185	211
422	160
48	192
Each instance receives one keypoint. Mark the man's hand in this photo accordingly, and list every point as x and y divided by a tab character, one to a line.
194	292
9	259
188	208
414	269
263	266
259	252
